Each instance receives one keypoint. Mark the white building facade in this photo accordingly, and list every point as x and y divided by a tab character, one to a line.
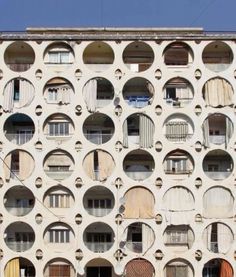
117	153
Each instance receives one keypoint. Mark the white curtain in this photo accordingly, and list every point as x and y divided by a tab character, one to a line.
190	237
26	163
125	134
147	237
26	93
8	101
90	95
218	203
224	238
205	131
207	236
218	92
7	167
88	165
105	164
178	199
63	94
228	130
146	131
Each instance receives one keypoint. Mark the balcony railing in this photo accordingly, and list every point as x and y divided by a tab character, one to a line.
97	67
19	138
19	246
98	138
134	139
178	172
178	137
217	67
178	103
99	247
217	175
58	175
18	67
100	103
18	211
136	247
217	139
138	175
214	247
138	101
98	211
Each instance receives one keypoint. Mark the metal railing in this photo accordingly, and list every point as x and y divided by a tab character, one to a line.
19	138
19	246
58	175
100	103
138	175
98	211
18	67
138	101
217	139
98	138
18	211
136	247
99	247
178	137
217	175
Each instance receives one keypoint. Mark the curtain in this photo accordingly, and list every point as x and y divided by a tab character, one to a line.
177	130
147	237
205	131
90	95
63	94
125	134
207	236
7	167
105	165
190	238
146	131
26	93
228	131
88	165
218	203
225	269
218	92
178	199
8	101
224	238
139	203
26	164
12	268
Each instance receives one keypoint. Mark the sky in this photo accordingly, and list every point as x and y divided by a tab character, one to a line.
212	15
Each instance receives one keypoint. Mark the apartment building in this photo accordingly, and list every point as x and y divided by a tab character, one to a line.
117	153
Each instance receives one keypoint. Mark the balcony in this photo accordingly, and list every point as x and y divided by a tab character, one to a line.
217	56
138	92
98	56
22	268
19	56
99	247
